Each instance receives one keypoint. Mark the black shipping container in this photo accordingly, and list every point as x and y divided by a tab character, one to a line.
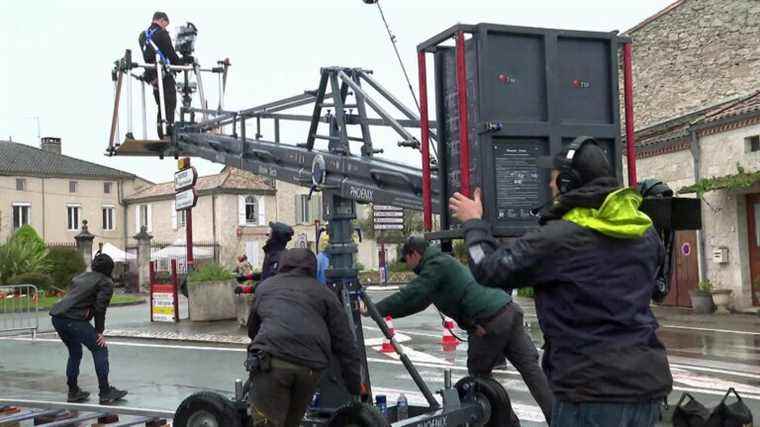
529	92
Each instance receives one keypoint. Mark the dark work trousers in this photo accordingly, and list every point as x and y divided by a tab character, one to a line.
75	333
597	414
170	101
506	336
281	395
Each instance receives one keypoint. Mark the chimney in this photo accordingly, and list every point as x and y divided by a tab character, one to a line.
51	144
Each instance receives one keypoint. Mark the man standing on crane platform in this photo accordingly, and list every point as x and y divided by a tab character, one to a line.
157	38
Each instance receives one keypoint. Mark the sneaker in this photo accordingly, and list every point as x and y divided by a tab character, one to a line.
113	394
78	395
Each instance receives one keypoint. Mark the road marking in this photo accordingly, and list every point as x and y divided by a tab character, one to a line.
715	370
129	410
369	359
694	328
416	356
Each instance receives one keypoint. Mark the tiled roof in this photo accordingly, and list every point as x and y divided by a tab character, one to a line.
229	179
678	128
21	159
744	106
657	15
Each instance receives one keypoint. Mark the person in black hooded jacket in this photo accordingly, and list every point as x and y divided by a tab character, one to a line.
279	236
295	324
88	298
593	264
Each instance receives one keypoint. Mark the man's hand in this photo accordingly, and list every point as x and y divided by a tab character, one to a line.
464	209
363	309
100	340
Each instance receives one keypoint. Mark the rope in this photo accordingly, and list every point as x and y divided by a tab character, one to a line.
395	49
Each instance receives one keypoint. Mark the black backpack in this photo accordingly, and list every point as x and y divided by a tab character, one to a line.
695	414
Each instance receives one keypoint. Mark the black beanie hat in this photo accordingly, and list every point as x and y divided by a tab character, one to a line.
591	162
102	263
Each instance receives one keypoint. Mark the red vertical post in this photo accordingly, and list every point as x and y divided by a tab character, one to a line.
427	203
151	274
630	138
175	281
189	239
464	145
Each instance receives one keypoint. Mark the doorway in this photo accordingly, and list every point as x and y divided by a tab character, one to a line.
685	276
753	235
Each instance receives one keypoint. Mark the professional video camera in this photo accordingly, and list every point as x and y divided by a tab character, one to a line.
186	41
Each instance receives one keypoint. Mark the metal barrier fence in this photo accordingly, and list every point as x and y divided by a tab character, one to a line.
18	309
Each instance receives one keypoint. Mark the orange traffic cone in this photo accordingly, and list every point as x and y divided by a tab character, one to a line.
387	346
448	340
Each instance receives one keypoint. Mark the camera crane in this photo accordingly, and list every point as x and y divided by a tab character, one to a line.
340	105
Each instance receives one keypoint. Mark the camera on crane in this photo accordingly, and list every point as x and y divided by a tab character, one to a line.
186	40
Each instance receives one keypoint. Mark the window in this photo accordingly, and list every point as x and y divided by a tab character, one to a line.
107	187
20	184
251	211
753	143
73	185
308	210
73	216
182	218
108	217
143	220
21	214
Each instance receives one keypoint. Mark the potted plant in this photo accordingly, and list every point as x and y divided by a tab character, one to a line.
722	299
702	298
211	291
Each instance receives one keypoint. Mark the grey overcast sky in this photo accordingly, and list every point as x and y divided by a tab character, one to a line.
56	56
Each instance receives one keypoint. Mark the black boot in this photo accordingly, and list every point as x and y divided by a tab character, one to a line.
76	395
111	395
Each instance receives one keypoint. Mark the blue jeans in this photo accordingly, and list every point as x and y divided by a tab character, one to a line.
75	333
597	414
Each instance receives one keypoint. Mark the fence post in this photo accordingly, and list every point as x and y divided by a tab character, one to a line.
84	244
143	258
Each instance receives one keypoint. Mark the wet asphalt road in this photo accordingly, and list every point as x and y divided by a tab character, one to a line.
159	374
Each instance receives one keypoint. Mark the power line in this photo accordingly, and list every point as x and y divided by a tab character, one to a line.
395	49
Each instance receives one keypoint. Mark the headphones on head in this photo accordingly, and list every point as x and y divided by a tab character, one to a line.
569	179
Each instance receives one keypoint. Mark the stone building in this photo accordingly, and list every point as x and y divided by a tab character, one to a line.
231	218
694	54
54	193
697	111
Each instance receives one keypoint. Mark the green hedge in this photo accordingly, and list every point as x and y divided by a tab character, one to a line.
211	272
65	263
42	281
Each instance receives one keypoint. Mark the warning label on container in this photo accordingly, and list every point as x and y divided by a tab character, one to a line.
518	181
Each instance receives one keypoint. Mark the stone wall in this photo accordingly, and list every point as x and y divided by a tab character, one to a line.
675	169
698	54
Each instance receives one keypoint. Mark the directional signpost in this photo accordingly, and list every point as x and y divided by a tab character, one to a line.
185	198
386	217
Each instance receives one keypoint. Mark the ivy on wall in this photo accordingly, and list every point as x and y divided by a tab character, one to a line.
741	179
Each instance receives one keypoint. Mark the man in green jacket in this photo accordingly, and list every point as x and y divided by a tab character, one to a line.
493	321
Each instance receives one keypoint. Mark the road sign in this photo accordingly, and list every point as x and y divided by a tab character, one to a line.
397	214
185	199
383	220
386	208
185	178
389	226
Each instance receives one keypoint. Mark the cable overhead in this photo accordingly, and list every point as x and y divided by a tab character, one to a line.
400	61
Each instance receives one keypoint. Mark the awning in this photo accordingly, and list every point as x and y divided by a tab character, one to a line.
116	254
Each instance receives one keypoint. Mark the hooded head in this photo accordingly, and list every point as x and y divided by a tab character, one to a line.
298	260
579	163
280	233
102	263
